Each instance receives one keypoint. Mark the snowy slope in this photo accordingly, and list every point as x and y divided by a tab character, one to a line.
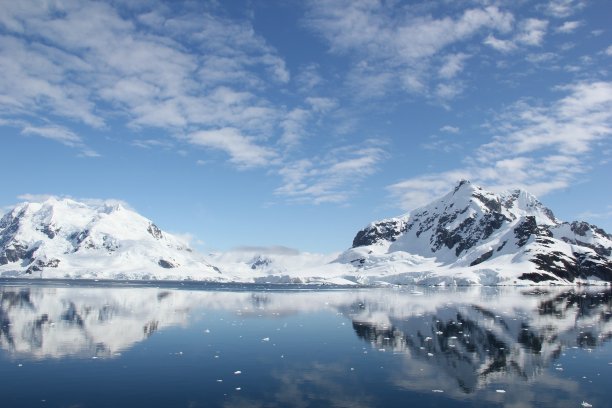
473	236
63	238
273	265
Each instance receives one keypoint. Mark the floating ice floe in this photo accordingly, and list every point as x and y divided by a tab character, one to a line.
586	404
237	372
501	391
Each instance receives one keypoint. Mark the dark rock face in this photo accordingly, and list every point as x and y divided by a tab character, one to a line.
155	231
469	217
39	264
11	251
166	264
259	262
482	258
594	266
525	230
581	230
387	230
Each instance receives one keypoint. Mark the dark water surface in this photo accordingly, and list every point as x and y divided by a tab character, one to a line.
98	346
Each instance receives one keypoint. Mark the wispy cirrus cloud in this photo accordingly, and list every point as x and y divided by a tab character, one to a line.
563	8
59	134
540	148
332	178
89	61
530	32
393	46
568	27
243	151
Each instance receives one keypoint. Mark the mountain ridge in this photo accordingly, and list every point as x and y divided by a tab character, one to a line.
470	236
64	238
471	227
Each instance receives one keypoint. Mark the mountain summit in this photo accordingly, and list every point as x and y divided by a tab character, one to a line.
475	236
63	238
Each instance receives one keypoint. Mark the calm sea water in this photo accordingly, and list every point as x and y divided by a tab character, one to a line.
63	345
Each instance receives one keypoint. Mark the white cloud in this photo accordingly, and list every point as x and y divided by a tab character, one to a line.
243	150
453	64
392	45
151	143
605	214
333	178
563	8
500	45
568	27
321	104
449	129
531	32
537	148
294	126
266	250
35	198
449	90
309	77
541	58
58	134
86	62
39	198
608	51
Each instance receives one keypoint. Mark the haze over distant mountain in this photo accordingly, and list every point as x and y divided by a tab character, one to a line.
63	238
475	236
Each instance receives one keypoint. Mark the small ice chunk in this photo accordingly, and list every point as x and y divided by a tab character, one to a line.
207	331
238	388
237	372
265	339
501	391
586	404
437	391
430	355
219	380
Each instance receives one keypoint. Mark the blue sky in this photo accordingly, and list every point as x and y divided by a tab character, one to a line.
296	123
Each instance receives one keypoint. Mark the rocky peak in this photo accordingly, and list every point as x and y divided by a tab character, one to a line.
106	235
385	230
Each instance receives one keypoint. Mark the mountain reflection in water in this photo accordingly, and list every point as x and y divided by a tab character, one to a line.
458	339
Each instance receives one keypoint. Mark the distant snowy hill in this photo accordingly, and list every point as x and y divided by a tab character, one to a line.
273	265
63	238
473	236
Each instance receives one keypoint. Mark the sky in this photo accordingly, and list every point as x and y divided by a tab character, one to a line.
296	123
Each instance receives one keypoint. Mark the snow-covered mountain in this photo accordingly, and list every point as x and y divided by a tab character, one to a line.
63	238
469	236
475	236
